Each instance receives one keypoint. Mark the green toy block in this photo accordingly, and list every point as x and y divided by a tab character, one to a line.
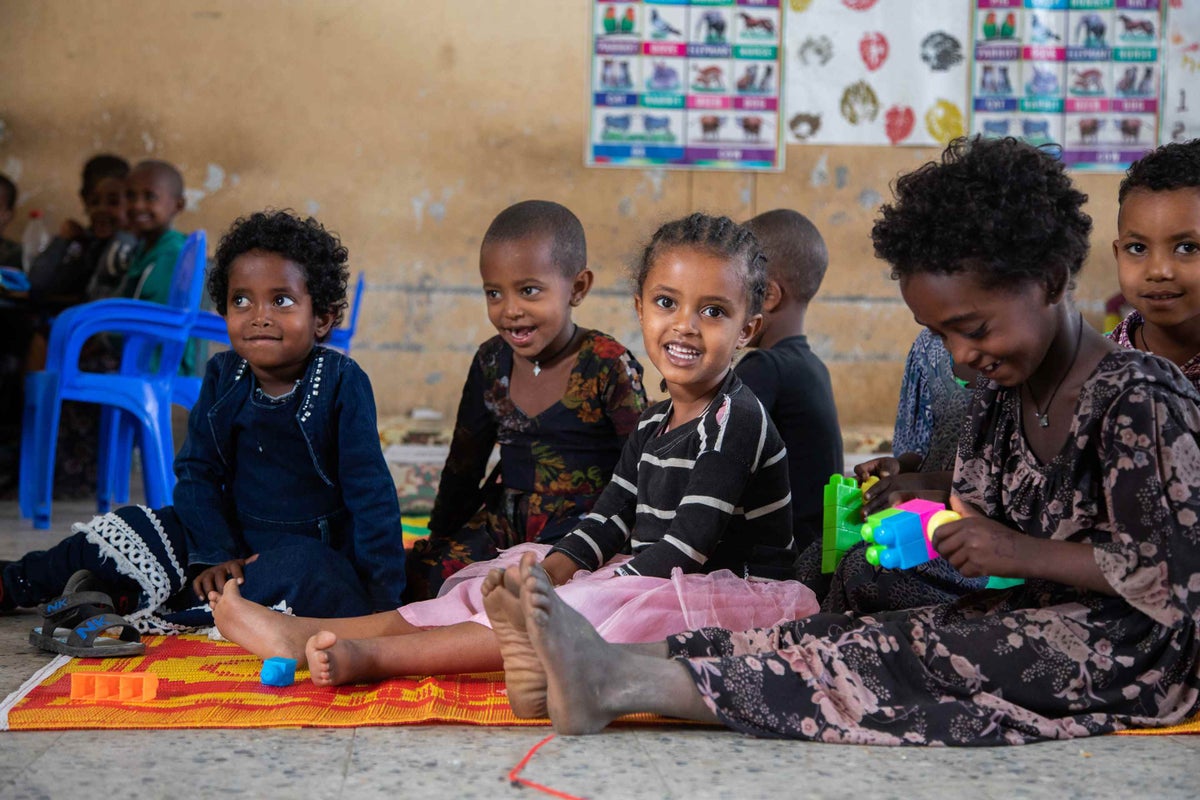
843	520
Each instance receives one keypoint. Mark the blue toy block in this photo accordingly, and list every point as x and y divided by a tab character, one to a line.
896	539
278	672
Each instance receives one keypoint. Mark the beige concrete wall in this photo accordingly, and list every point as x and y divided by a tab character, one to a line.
405	126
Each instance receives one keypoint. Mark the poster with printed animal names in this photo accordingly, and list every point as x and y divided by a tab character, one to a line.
685	84
1083	74
1180	118
876	72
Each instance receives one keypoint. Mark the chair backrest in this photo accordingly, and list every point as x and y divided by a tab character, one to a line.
187	284
340	338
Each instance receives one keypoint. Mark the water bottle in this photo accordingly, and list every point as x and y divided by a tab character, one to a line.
35	239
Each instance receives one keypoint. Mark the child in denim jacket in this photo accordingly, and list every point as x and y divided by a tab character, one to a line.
282	485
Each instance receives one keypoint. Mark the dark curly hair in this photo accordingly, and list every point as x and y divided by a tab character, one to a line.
1172	166
302	241
720	236
1002	208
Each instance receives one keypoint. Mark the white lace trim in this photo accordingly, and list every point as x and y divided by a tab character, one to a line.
133	558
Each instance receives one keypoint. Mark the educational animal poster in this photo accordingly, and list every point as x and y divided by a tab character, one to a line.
877	71
686	84
1181	69
1083	74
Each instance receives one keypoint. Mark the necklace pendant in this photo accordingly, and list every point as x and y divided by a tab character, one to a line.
1043	420
537	369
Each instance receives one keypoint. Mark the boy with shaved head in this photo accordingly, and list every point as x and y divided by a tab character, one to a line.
154	195
786	374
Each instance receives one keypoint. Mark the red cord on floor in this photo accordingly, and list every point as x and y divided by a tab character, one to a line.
514	773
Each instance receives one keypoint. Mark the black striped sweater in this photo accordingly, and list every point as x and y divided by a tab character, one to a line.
711	494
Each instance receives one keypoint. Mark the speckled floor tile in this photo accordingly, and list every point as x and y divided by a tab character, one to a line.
458	761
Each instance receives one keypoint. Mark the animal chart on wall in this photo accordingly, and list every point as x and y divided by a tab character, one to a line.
685	84
875	72
1181	73
1084	74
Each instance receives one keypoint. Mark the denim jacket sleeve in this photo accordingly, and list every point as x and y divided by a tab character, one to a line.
202	498
368	491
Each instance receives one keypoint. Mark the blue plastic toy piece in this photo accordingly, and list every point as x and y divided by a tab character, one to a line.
898	541
278	672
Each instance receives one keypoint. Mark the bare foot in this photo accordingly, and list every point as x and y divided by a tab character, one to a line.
257	628
333	661
523	673
578	663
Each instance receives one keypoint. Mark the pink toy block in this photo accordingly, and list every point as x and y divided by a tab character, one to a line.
924	509
120	687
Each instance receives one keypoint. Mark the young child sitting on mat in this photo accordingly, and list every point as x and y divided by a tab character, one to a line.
700	496
560	400
1078	470
783	371
282	486
1158	256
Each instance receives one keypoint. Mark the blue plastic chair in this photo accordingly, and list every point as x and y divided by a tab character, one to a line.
117	430
340	338
155	338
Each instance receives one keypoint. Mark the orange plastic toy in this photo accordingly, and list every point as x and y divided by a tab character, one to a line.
114	686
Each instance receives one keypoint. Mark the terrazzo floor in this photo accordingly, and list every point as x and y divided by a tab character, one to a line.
449	761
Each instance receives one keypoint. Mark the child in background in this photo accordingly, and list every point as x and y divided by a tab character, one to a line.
1078	470
10	251
154	196
558	398
16	331
785	374
700	495
87	264
1158	256
282	485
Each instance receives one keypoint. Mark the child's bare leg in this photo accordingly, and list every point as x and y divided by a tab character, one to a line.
591	682
466	647
523	673
269	634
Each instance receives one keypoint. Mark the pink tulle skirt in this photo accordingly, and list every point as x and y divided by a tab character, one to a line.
631	609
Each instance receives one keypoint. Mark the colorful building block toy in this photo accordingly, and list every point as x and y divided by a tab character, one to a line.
278	672
842	523
902	537
121	687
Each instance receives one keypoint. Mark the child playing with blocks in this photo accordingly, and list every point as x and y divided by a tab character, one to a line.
1078	470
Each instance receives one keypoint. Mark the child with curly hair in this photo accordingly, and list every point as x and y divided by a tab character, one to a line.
282	486
1158	256
559	399
1078	470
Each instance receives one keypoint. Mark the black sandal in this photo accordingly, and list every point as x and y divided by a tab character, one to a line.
72	624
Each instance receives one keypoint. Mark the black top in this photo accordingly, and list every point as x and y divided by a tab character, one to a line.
793	385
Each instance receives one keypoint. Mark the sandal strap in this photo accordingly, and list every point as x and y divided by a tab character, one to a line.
85	633
58	609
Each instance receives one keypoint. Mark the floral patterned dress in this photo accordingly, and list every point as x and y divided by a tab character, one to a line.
1038	661
1126	331
552	468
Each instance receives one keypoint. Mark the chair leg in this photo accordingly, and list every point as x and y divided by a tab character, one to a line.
113	458
158	456
39	443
